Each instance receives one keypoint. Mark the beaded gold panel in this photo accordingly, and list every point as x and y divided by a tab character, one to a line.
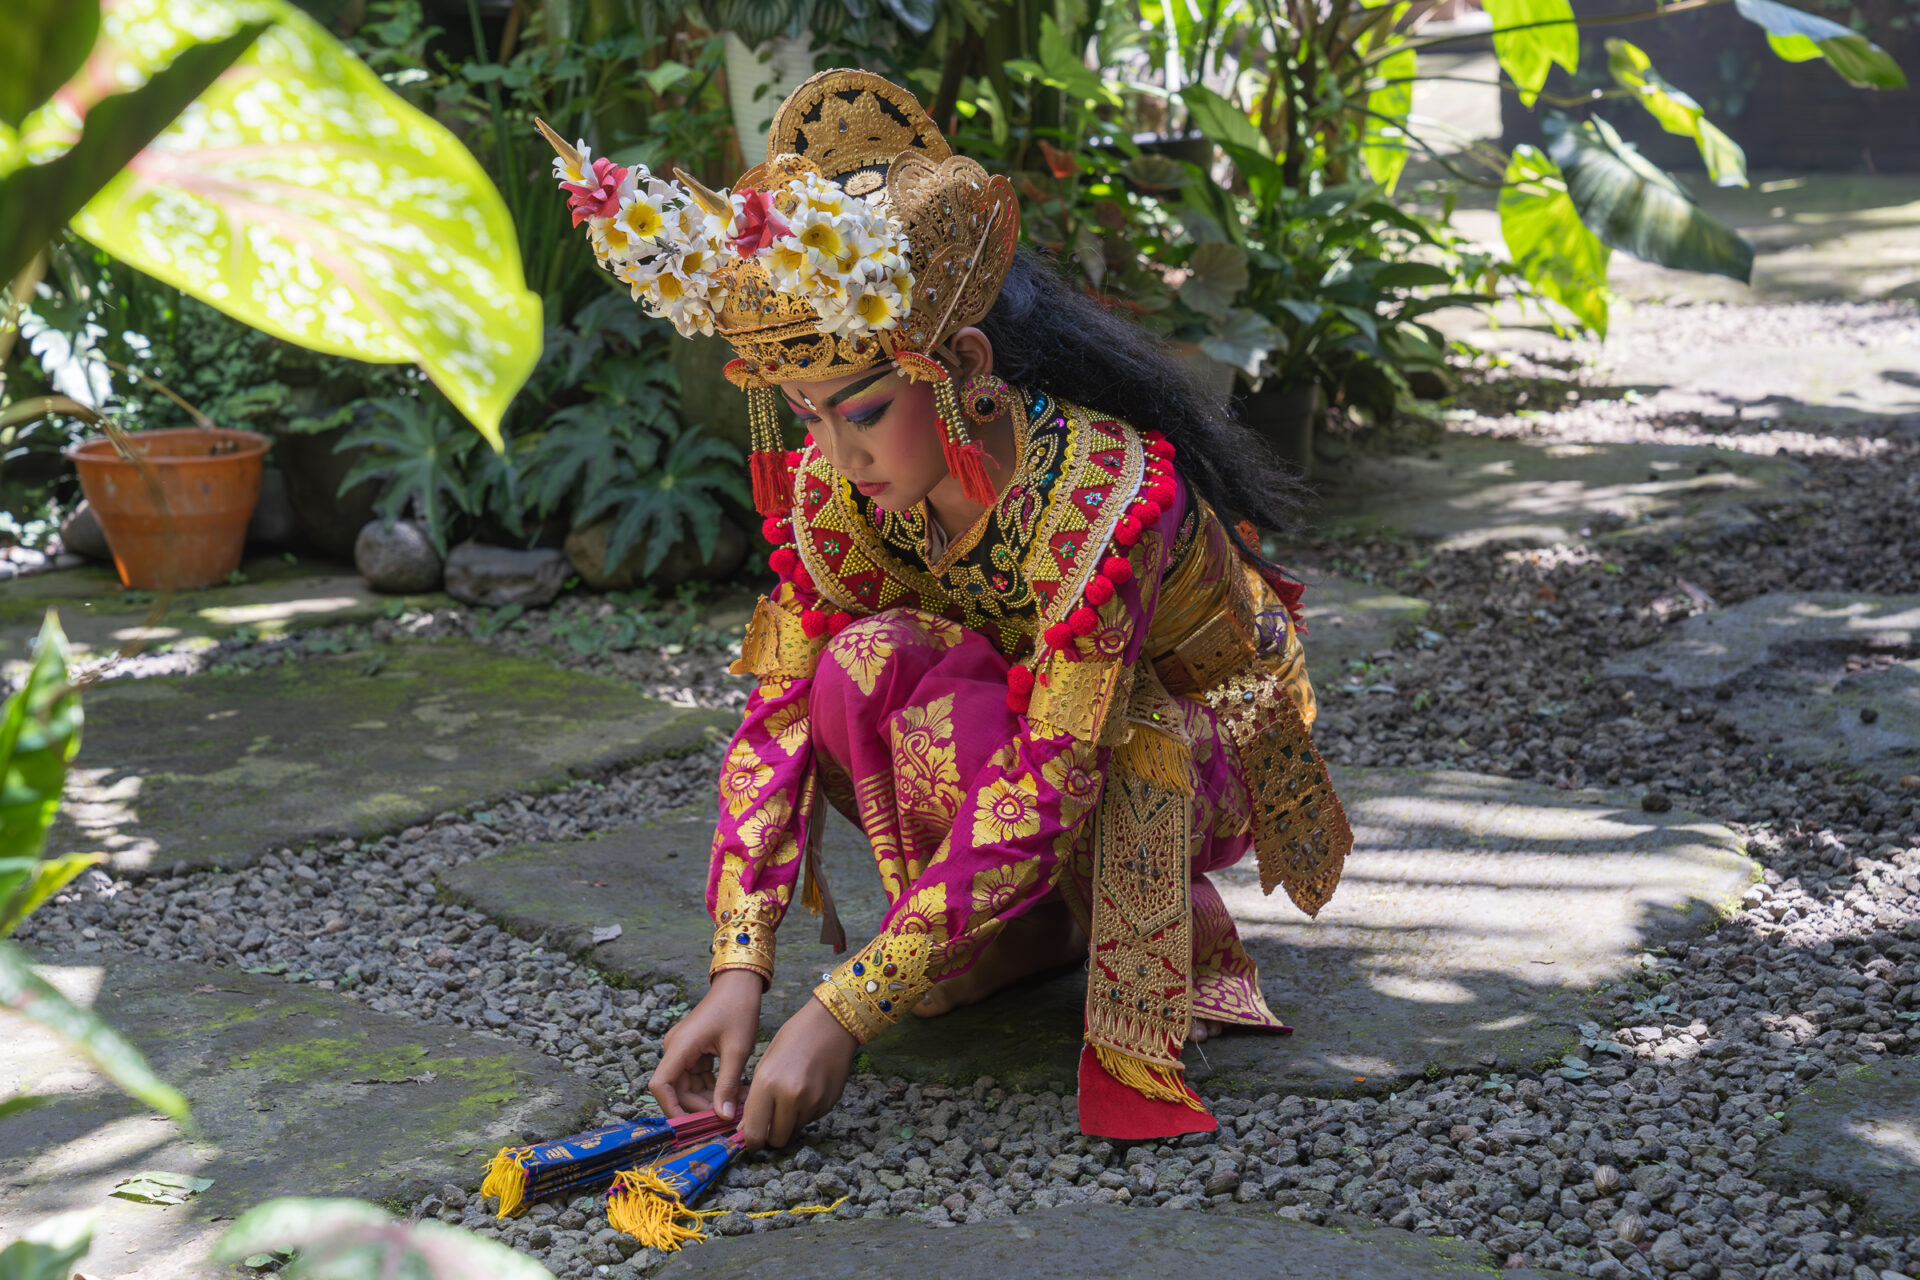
775	647
1078	698
1300	831
743	935
1139	983
868	993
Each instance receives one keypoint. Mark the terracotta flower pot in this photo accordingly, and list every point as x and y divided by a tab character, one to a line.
210	480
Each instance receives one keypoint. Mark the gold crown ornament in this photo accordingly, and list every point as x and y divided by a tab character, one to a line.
862	240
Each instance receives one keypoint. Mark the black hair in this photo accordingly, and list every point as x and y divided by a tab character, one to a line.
1050	335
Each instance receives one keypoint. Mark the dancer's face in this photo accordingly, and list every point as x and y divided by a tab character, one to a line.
878	429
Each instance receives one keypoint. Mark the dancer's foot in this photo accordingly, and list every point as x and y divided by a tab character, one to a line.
1043	940
1204	1029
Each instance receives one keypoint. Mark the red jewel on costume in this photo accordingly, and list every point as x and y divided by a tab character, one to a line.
813	623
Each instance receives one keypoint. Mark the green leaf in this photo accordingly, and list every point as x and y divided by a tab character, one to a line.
1217	274
1677	113
26	993
418	451
48	1249
301	196
20	1105
1157	172
1384	148
36	199
1633	206
353	1238
42	43
1547	241
1411	275
1223	122
1242	339
1800	37
1066	70
43	880
1529	37
38	736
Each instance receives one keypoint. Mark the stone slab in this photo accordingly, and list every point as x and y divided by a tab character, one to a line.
1094	1242
1859	1136
1476	917
1466	491
99	615
1781	661
213	769
295	1091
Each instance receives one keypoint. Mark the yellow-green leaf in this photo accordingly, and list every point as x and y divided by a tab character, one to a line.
301	196
1797	36
1676	112
1529	37
1548	242
1384	148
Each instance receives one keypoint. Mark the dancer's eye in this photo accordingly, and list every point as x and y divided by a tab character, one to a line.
867	417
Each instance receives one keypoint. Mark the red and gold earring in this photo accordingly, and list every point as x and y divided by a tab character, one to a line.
966	460
982	399
770	465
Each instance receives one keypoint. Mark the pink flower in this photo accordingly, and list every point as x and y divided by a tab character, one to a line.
756	223
599	198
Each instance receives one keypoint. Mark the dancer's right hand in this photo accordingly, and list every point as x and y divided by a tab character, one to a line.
705	1054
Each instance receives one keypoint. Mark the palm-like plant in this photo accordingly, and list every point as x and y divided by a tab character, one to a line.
420	450
668	493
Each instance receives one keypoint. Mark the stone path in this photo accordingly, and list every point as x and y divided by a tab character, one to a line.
99	615
1859	1136
296	1091
1472	490
1087	1242
1829	676
211	770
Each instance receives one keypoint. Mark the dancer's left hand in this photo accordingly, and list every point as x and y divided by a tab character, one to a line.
800	1077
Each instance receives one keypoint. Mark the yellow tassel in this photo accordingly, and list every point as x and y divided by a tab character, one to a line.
804	1209
649	1208
1162	1084
1156	757
507	1178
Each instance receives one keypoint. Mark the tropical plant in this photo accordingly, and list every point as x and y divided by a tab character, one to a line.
386	242
354	1240
421	452
671	490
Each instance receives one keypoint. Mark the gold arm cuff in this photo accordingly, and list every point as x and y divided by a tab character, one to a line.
744	939
775	647
1081	699
868	993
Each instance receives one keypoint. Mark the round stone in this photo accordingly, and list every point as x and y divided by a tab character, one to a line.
744	939
858	968
886	1006
889	971
872	986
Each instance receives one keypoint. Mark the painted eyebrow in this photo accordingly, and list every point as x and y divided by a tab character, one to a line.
855	389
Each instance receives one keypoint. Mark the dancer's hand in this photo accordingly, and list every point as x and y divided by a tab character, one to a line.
800	1076
719	1030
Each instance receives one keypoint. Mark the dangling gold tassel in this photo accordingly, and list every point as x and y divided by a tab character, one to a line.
1156	757
768	468
966	460
506	1178
649	1208
1151	1080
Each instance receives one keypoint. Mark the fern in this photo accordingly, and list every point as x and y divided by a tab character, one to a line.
419	449
680	493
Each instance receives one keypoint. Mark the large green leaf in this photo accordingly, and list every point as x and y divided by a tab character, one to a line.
26	993
48	1249
354	1240
1546	239
1529	36
1798	36
1066	69
25	883
1384	148
38	736
302	196
1217	272
1635	207
42	43
1677	113
37	198
1242	339
1223	122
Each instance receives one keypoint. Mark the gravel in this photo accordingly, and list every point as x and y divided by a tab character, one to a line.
1639	1165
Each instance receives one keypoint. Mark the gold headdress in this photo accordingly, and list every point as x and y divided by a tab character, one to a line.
863	239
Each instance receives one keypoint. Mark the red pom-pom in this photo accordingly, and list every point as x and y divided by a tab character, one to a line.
1019	702
802	580
1146	511
1128	532
809	439
839	621
775	529
784	560
1161	448
793	457
1084	621
1099	591
1116	569
1058	636
1163	494
1152	437
814	623
1020	680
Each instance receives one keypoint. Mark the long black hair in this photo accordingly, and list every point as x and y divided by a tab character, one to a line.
1049	335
